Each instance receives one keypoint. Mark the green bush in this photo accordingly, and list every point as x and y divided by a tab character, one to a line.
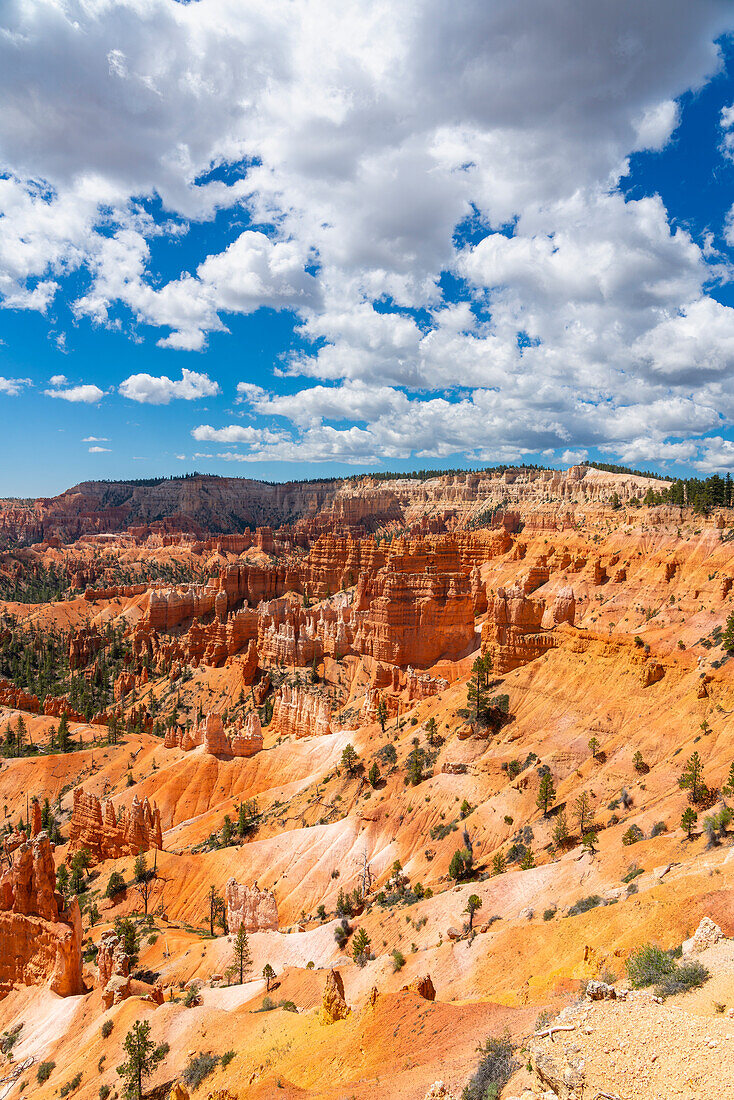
104	1092
633	835
44	1071
71	1086
549	914
398	960
583	905
107	1028
227	1058
115	885
495	1069
651	965
683	978
198	1068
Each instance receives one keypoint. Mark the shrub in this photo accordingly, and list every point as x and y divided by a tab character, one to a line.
633	835
658	828
71	1086
632	873
107	1028
104	1092
44	1071
227	1058
495	1069
651	965
288	1006
583	905
9	1038
198	1068
683	978
398	960
549	914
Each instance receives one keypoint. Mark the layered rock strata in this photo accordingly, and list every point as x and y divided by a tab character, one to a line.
40	940
109	834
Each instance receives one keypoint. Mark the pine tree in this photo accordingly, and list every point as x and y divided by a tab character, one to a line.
593	747
527	861
728	636
456	866
142	1058
546	793
242	956
499	865
582	812
349	759
360	946
374	774
63	736
688	820
560	831
589	841
141	868
728	787
414	764
62	880
692	778
474	902
476	691
268	975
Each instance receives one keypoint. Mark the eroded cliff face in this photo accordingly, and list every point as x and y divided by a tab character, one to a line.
604	626
214	504
244	739
107	833
40	939
249	908
518	628
301	713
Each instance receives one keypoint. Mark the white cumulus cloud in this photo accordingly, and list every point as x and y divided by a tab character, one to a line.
148	389
86	394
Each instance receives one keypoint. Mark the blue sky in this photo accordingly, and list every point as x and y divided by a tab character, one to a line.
321	238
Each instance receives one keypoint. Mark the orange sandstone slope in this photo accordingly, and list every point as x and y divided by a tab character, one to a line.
603	625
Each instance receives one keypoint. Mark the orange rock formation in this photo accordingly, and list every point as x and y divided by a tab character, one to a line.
108	834
249	908
39	939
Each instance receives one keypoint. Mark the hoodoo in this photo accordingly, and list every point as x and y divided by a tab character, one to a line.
40	937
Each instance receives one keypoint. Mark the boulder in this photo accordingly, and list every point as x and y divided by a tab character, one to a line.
423	986
439	1091
706	935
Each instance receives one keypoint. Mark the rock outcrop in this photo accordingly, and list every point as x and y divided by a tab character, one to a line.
109	834
40	940
249	908
519	628
333	1005
706	935
301	713
423	986
245	740
113	969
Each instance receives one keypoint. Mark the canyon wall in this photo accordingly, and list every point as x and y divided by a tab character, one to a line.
40	940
